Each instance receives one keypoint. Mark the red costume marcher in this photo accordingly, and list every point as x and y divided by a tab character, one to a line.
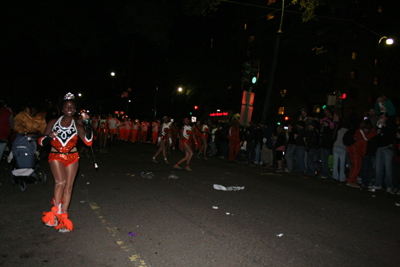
165	128
234	142
357	152
135	130
95	125
145	126
128	126
175	131
122	130
113	124
187	136
155	125
103	128
197	135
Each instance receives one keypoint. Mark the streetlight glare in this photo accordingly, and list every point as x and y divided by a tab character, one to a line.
389	41
180	89
79	94
112	73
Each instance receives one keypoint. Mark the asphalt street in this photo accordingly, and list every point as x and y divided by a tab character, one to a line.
123	219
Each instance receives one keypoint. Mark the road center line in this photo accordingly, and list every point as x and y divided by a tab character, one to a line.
135	258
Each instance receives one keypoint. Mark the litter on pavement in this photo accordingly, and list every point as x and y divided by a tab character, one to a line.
215	207
228	188
173	176
279	235
132	234
147	175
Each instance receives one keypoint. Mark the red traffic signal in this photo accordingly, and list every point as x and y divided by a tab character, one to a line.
196	107
343	96
286	118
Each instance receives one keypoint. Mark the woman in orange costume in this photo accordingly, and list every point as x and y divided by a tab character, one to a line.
185	142
63	135
164	140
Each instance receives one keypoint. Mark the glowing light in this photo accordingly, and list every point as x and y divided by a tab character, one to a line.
389	41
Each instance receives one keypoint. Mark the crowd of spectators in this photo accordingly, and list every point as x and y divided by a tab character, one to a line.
358	152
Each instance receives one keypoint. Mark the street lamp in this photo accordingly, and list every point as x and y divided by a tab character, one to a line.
389	41
112	73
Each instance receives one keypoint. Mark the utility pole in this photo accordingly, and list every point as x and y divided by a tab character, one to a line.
273	67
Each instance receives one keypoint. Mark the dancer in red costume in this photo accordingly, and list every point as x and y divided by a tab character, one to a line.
175	131
164	140
185	142
205	130
197	138
135	130
155	125
145	126
63	135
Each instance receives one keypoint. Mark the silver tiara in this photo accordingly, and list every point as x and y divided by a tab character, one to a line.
69	96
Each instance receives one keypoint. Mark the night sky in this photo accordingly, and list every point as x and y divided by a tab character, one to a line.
52	47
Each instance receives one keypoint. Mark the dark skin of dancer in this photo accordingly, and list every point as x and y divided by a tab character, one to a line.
65	176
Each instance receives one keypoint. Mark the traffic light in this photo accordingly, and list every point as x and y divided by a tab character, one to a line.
339	100
196	107
246	73
254	71
286	118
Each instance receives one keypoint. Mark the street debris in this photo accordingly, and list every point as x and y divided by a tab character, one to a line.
215	207
279	235
228	188
173	176
397	204
87	183
147	175
132	234
82	201
228	213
